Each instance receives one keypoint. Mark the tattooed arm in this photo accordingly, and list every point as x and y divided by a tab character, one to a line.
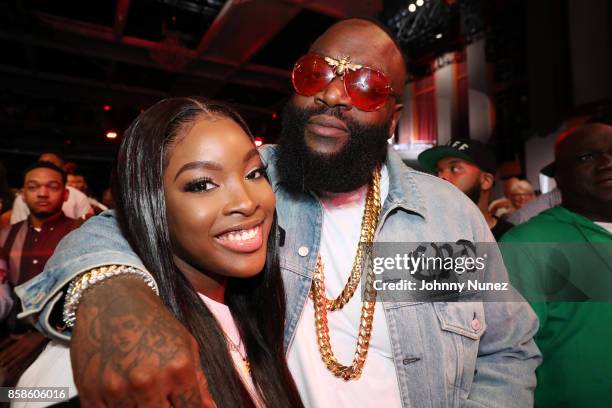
140	356
128	350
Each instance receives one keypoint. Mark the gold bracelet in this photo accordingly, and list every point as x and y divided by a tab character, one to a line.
94	276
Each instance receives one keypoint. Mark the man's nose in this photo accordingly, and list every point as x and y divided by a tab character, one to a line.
334	95
43	191
605	163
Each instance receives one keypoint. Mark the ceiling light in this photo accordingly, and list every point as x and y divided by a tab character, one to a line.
420	3
412	8
111	135
439	35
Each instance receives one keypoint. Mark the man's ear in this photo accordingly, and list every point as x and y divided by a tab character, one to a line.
397	112
486	181
66	194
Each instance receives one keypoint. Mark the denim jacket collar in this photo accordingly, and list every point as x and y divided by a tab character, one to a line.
403	190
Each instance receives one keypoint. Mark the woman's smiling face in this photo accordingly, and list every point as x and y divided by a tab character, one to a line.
219	205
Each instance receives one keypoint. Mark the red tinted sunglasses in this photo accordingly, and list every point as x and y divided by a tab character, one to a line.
367	87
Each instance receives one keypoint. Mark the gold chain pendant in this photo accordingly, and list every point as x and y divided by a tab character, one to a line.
246	366
321	303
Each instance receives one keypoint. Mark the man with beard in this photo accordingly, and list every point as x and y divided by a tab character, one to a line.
25	248
470	166
337	184
76	206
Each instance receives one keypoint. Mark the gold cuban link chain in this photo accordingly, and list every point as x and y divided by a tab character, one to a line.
369	222
321	303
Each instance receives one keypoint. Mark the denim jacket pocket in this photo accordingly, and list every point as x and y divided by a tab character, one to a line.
464	324
464	318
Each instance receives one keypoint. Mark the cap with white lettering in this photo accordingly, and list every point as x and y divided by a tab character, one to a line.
472	151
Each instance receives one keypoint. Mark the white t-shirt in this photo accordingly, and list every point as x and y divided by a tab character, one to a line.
225	319
76	206
318	387
52	368
605	225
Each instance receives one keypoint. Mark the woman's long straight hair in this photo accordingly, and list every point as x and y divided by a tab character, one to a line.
257	303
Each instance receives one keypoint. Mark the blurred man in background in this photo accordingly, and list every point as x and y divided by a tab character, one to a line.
77	180
471	167
562	262
76	206
25	248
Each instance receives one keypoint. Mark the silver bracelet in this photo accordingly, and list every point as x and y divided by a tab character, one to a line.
94	276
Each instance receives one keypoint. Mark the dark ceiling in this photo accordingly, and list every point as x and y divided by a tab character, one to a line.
63	62
72	70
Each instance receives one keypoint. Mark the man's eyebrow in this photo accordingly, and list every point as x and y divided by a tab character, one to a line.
201	164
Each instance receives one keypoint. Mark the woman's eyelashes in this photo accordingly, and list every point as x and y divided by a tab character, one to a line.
204	184
200	185
257	173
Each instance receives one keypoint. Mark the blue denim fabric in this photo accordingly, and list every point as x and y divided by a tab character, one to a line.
440	359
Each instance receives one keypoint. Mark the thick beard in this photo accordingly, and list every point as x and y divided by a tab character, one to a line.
302	169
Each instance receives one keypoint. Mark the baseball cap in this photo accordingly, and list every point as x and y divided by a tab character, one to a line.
472	151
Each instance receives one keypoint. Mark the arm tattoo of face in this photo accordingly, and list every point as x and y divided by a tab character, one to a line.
122	327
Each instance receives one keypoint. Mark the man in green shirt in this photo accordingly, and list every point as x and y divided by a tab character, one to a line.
561	260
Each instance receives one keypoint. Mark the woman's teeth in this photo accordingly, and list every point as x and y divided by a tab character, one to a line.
243	235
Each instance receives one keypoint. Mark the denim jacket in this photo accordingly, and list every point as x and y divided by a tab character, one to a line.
442	358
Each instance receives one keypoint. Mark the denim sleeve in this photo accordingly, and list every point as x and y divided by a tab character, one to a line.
96	243
507	355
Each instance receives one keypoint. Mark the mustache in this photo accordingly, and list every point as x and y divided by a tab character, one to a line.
326	110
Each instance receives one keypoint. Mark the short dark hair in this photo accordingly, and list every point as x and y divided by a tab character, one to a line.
45	165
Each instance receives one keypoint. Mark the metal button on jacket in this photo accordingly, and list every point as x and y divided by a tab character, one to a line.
476	324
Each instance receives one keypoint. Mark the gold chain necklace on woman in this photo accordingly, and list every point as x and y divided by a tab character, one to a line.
322	304
246	365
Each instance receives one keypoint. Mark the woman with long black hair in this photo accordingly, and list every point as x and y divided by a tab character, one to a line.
193	200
